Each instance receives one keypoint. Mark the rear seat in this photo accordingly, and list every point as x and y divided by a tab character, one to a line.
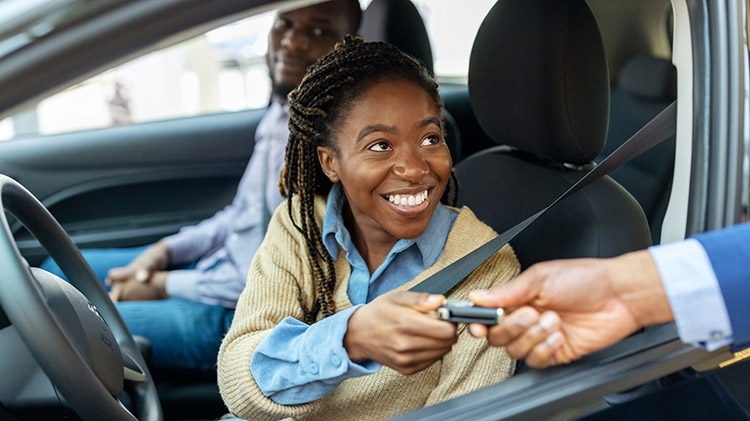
645	87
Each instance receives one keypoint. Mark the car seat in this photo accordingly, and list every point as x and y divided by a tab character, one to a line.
538	83
398	22
645	87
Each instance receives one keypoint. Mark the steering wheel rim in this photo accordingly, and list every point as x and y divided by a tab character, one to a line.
26	308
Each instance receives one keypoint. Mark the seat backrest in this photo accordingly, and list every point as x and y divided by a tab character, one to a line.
538	83
398	22
645	87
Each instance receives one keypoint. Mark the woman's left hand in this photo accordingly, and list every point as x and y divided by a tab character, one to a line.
394	330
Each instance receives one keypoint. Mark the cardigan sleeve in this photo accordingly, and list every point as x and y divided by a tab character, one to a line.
271	294
473	363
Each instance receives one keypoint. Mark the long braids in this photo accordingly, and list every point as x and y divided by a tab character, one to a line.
316	108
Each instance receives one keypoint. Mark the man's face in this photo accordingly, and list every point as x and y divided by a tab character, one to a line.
299	37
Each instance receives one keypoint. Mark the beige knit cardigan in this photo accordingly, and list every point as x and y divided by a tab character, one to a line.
280	272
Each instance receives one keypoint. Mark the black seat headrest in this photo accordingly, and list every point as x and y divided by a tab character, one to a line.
538	79
649	78
398	22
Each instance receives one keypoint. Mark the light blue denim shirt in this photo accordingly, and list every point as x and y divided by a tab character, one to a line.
298	363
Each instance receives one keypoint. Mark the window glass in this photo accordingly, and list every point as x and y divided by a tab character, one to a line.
451	48
221	70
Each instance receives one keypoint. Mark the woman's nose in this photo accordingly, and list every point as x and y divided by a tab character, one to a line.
411	166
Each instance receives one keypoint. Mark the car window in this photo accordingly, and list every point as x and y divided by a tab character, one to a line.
221	70
451	48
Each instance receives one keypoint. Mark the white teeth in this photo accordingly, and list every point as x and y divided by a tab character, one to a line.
408	200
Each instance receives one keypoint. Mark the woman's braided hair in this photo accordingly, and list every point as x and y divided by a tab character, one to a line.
316	108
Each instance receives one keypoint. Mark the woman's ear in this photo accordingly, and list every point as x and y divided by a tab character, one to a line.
328	162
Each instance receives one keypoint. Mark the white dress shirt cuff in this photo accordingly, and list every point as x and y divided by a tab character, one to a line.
694	294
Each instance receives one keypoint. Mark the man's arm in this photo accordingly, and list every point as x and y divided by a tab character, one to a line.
567	309
729	253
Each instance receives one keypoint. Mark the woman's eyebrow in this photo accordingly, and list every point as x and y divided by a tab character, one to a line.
392	129
375	128
427	121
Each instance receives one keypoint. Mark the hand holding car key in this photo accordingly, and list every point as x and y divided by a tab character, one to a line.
460	311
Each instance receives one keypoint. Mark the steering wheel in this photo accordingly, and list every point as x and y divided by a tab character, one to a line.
77	338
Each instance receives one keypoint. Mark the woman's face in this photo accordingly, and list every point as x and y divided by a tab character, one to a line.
394	164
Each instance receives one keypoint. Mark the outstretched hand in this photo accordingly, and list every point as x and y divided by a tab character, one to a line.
562	310
394	330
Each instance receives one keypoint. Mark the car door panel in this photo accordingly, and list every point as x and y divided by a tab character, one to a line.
131	185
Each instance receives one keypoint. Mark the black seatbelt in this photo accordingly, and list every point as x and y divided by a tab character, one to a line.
653	133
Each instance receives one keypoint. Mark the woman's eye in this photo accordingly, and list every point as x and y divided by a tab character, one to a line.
380	147
431	140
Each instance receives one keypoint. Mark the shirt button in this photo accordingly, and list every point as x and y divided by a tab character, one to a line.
313	368
233	237
335	360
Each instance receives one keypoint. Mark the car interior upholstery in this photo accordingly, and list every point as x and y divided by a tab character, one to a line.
645	86
539	85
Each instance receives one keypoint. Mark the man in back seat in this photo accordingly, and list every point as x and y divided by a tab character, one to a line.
180	293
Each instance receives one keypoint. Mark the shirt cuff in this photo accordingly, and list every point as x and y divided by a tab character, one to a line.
324	348
179	248
183	284
694	295
297	363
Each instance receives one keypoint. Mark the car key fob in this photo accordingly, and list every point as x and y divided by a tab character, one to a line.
460	311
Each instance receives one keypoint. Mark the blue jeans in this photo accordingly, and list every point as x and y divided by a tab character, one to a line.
183	334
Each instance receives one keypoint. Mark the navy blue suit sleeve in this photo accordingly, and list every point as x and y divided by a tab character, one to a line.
729	252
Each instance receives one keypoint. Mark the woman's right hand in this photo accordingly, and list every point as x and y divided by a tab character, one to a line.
394	330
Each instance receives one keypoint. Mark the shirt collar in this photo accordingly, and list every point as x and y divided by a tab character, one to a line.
279	109
430	243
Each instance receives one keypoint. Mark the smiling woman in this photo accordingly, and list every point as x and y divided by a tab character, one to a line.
383	207
326	298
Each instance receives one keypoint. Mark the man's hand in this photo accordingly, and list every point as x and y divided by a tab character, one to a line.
132	290
562	310
394	330
125	280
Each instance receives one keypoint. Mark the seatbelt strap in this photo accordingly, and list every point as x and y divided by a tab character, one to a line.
653	133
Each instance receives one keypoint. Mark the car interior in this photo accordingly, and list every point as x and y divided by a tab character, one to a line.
553	88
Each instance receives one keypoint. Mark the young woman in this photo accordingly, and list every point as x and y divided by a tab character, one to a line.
326	326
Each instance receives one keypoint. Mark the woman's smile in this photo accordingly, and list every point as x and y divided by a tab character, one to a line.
409	203
392	161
